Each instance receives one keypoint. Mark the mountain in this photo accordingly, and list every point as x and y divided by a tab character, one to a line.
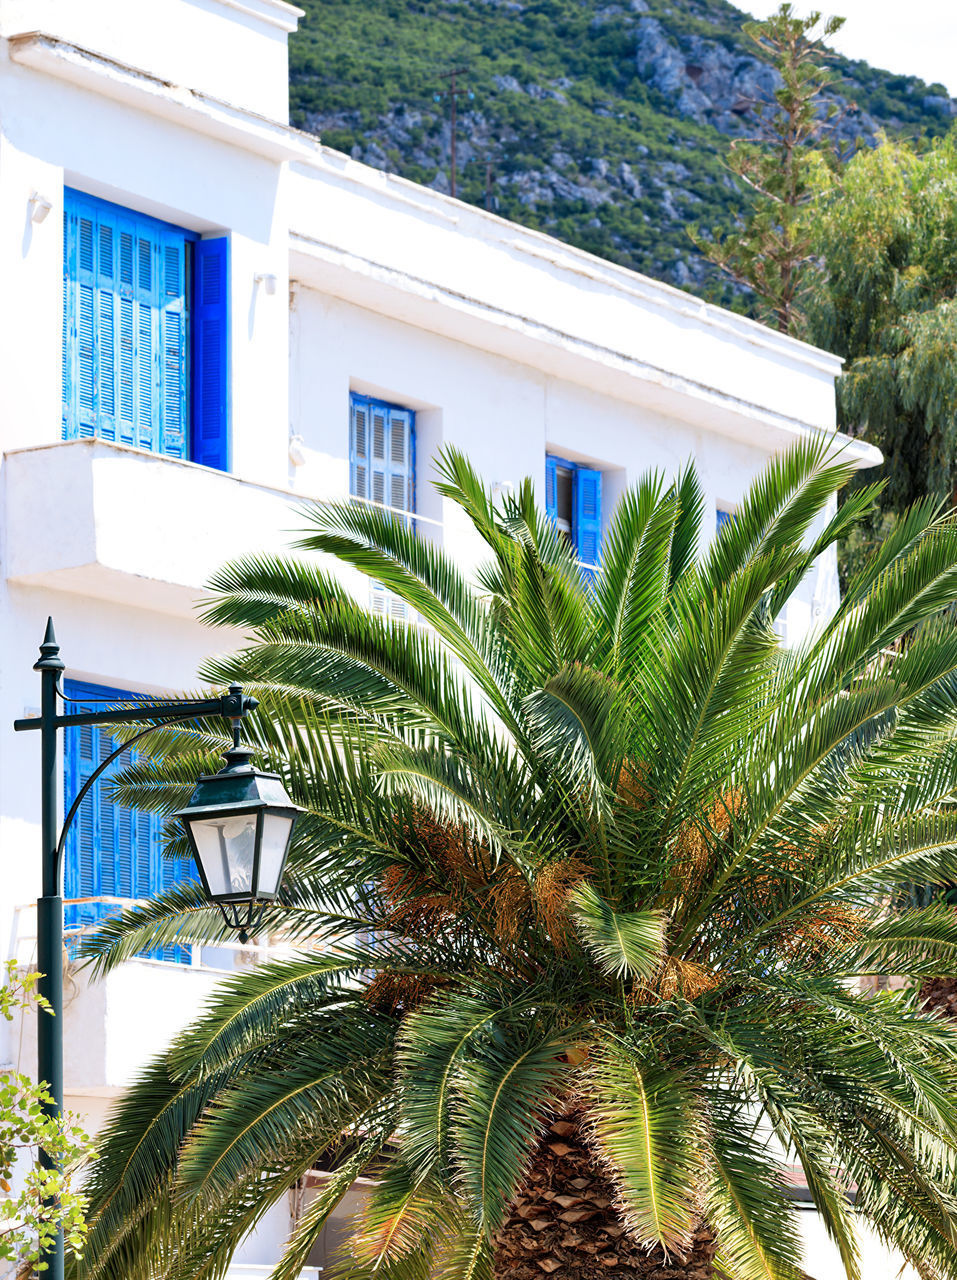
603	124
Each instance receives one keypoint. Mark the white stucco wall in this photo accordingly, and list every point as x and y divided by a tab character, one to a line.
521	414
226	50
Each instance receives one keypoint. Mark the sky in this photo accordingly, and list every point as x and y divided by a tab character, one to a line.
924	43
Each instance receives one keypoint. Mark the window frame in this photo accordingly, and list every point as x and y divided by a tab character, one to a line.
579	471
161	874
200	424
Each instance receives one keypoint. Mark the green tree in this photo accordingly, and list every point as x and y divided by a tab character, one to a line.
886	226
587	874
770	249
36	1200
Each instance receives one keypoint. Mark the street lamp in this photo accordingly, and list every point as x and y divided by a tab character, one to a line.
239	822
239	814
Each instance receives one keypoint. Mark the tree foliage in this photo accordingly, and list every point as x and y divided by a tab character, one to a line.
37	1200
583	142
886	226
770	249
601	844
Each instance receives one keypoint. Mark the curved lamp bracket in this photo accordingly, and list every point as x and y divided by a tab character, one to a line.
98	773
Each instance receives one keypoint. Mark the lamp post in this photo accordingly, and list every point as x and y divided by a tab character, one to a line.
239	823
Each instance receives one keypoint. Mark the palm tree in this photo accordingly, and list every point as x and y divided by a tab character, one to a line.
591	869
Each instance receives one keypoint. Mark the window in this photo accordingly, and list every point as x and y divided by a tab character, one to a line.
722	518
382	469
111	851
145	333
573	500
382	452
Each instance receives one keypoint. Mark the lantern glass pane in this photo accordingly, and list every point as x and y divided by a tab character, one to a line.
227	849
277	828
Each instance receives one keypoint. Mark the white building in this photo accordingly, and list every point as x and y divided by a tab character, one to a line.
207	317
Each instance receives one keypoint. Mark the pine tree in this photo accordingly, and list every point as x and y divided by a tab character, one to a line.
771	250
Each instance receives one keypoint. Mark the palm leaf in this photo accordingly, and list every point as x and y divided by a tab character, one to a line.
626	944
503	1094
647	1127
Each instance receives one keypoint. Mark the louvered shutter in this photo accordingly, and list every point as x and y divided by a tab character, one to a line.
382	453
172	872
401	460
172	267
111	850
85	324
587	515
125	372
106	336
386	604
81	872
378	464
210	330
551	487
359	448
69	427
382	469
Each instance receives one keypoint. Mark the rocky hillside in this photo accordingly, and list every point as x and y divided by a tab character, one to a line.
604	124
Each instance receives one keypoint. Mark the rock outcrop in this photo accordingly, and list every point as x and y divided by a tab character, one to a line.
603	123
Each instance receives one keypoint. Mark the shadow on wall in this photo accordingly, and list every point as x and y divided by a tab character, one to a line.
339	1227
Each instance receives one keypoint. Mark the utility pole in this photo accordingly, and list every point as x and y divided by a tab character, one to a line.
453	92
489	166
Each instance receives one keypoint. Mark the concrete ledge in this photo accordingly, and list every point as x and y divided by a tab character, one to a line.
145	92
120	524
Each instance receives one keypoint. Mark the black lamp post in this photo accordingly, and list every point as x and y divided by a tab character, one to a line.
239	822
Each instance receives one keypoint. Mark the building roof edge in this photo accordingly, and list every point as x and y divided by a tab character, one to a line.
537	243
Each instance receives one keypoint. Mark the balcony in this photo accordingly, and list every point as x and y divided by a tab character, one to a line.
119	524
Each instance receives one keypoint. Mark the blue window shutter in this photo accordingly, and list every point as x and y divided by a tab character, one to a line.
378	452
172	312
111	855
211	353
69	324
125	323
551	487
146	322
111	850
587	513
85	322
722	518
401	460
358	446
81	865
105	326
381	452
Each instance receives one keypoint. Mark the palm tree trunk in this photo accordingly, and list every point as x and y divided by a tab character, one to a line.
564	1223
940	996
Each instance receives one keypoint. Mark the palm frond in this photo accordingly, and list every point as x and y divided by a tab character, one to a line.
647	1126
308	1229
626	944
748	1206
502	1096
